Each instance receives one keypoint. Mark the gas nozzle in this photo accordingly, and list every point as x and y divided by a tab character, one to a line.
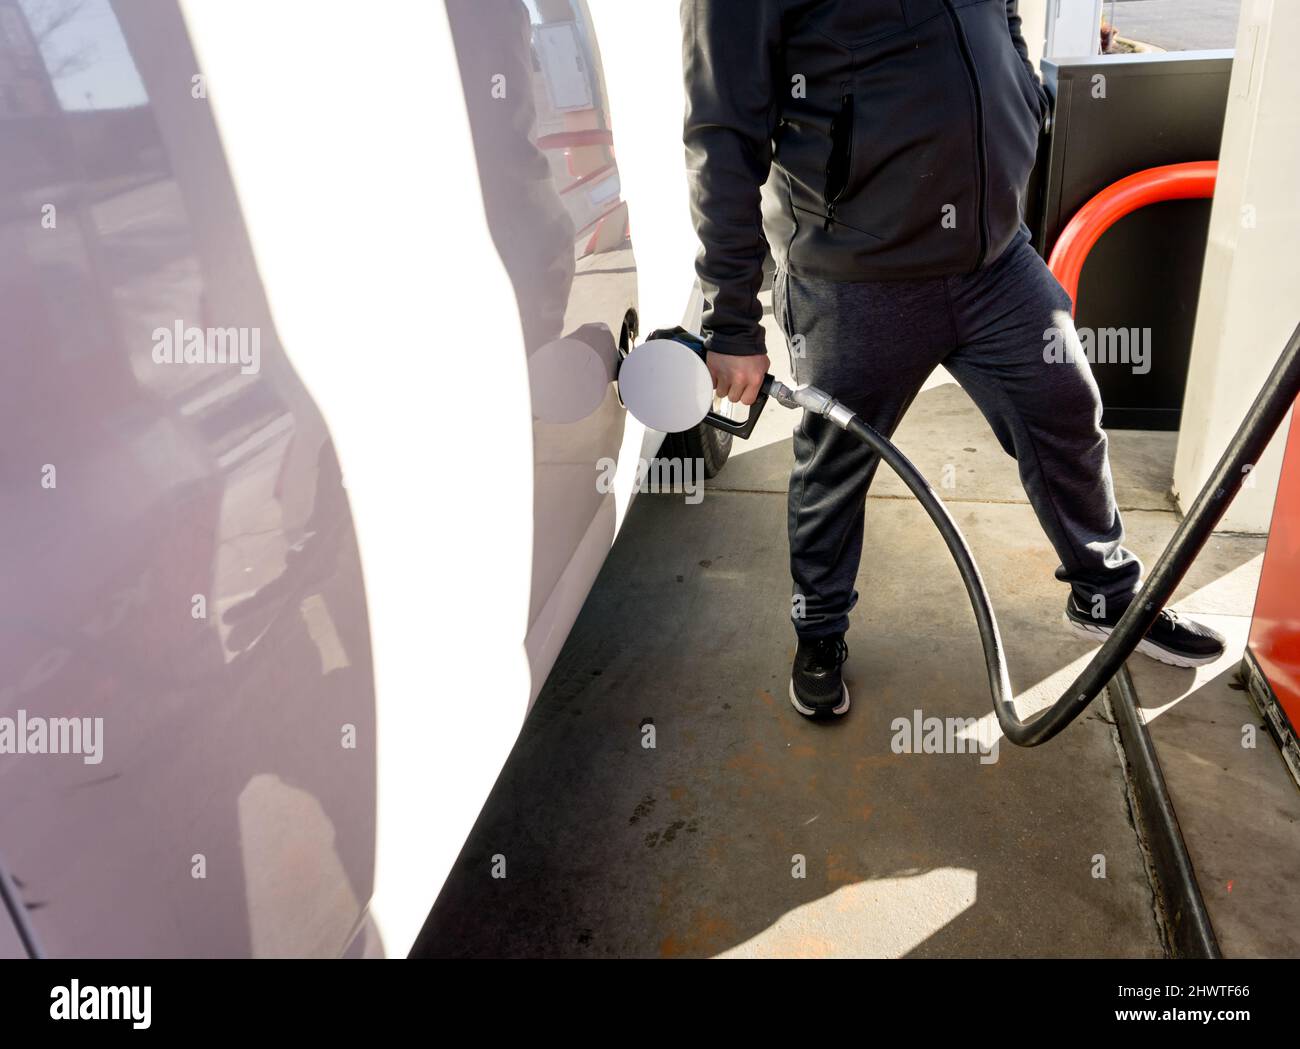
665	383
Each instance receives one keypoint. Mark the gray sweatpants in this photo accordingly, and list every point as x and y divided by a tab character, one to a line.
872	345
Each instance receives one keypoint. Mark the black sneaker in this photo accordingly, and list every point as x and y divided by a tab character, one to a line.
1171	639
816	687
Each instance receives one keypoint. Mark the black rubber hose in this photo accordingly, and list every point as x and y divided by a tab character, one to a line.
1252	437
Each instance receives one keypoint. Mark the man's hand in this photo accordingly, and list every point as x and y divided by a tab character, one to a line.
738	378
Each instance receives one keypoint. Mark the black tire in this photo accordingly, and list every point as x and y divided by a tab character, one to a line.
704	442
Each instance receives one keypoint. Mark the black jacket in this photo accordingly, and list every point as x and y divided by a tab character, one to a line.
895	138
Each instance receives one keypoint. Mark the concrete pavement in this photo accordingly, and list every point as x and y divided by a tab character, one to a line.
1237	805
691	848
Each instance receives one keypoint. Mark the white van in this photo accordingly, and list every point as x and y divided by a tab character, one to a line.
310	314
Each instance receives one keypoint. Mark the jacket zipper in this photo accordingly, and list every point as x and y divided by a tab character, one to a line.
980	146
842	132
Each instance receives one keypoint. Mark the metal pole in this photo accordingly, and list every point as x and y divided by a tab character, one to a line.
1073	28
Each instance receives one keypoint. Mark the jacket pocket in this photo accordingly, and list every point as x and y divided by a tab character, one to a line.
839	165
1037	95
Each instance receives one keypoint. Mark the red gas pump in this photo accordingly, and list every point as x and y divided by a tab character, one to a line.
1271	668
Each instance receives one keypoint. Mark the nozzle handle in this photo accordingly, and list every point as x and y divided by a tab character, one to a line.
744	427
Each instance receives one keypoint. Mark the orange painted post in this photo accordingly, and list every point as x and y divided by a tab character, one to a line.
1171	182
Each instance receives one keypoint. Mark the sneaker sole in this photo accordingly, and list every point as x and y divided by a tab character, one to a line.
1148	648
809	712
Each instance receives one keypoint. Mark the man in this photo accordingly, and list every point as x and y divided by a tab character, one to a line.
883	147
